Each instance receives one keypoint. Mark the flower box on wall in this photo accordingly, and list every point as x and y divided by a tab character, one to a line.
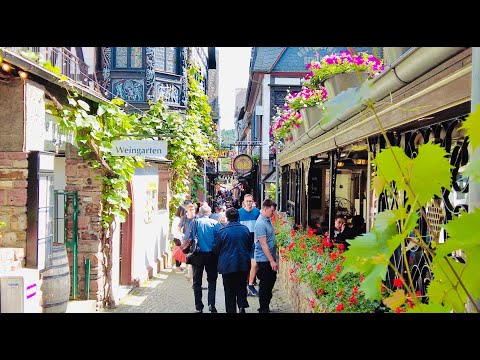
298	131
299	295
337	83
310	116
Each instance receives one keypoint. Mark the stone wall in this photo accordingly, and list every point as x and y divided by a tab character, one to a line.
300	295
12	115
13	202
81	177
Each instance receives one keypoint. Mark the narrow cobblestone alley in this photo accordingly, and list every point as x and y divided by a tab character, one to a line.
169	291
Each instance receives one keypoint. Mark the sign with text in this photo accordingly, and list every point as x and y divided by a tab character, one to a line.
143	148
243	164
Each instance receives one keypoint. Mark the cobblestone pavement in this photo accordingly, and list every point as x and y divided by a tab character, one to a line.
170	291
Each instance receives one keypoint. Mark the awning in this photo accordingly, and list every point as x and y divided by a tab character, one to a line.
270	178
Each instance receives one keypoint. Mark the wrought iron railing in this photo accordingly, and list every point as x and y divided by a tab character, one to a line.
69	64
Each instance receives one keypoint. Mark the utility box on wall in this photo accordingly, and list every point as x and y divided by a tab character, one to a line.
20	291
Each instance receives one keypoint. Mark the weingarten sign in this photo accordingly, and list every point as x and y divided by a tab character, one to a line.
144	148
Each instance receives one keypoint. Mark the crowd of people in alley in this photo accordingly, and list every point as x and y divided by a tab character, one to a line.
239	244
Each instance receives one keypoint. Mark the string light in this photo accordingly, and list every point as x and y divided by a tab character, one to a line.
24	75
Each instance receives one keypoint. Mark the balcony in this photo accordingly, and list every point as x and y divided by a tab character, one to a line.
61	59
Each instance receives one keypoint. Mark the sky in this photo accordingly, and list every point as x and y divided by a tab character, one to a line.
233	69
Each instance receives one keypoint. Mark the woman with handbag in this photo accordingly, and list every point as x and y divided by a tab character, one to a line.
177	254
185	227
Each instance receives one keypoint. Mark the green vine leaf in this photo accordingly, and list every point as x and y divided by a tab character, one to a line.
444	290
387	165
84	105
460	236
428	308
473	169
378	184
430	172
370	253
472	127
346	100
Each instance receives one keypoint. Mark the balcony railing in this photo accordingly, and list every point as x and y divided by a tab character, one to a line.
69	64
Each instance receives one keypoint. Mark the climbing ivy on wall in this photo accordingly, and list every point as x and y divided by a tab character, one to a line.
94	126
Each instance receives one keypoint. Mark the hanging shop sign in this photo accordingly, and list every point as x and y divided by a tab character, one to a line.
143	148
223	153
225	165
243	164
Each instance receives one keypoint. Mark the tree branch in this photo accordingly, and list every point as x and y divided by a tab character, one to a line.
105	165
54	99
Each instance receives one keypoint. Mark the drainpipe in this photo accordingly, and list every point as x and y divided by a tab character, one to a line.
87	279
411	65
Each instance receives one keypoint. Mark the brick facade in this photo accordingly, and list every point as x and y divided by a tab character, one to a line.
13	202
81	177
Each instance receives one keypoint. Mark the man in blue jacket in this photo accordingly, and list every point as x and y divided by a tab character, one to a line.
205	259
232	245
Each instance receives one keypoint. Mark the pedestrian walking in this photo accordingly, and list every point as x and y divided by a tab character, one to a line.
232	247
177	254
265	255
184	227
205	259
248	216
222	219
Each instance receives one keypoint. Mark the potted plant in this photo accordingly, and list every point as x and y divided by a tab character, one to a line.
315	264
285	124
308	102
338	72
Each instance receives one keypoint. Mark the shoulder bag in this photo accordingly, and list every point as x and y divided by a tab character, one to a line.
187	244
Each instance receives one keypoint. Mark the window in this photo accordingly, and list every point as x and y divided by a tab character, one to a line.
128	57
45	219
166	59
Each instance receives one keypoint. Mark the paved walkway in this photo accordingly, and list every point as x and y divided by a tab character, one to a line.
170	292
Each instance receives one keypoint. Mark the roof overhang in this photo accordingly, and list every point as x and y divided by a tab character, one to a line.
425	93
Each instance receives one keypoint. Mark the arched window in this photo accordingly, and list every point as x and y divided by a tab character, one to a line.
128	57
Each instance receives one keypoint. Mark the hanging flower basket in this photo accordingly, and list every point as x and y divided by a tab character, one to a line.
311	115
298	130
338	72
305	99
337	83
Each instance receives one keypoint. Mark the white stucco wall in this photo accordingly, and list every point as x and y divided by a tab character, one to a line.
34	116
151	225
